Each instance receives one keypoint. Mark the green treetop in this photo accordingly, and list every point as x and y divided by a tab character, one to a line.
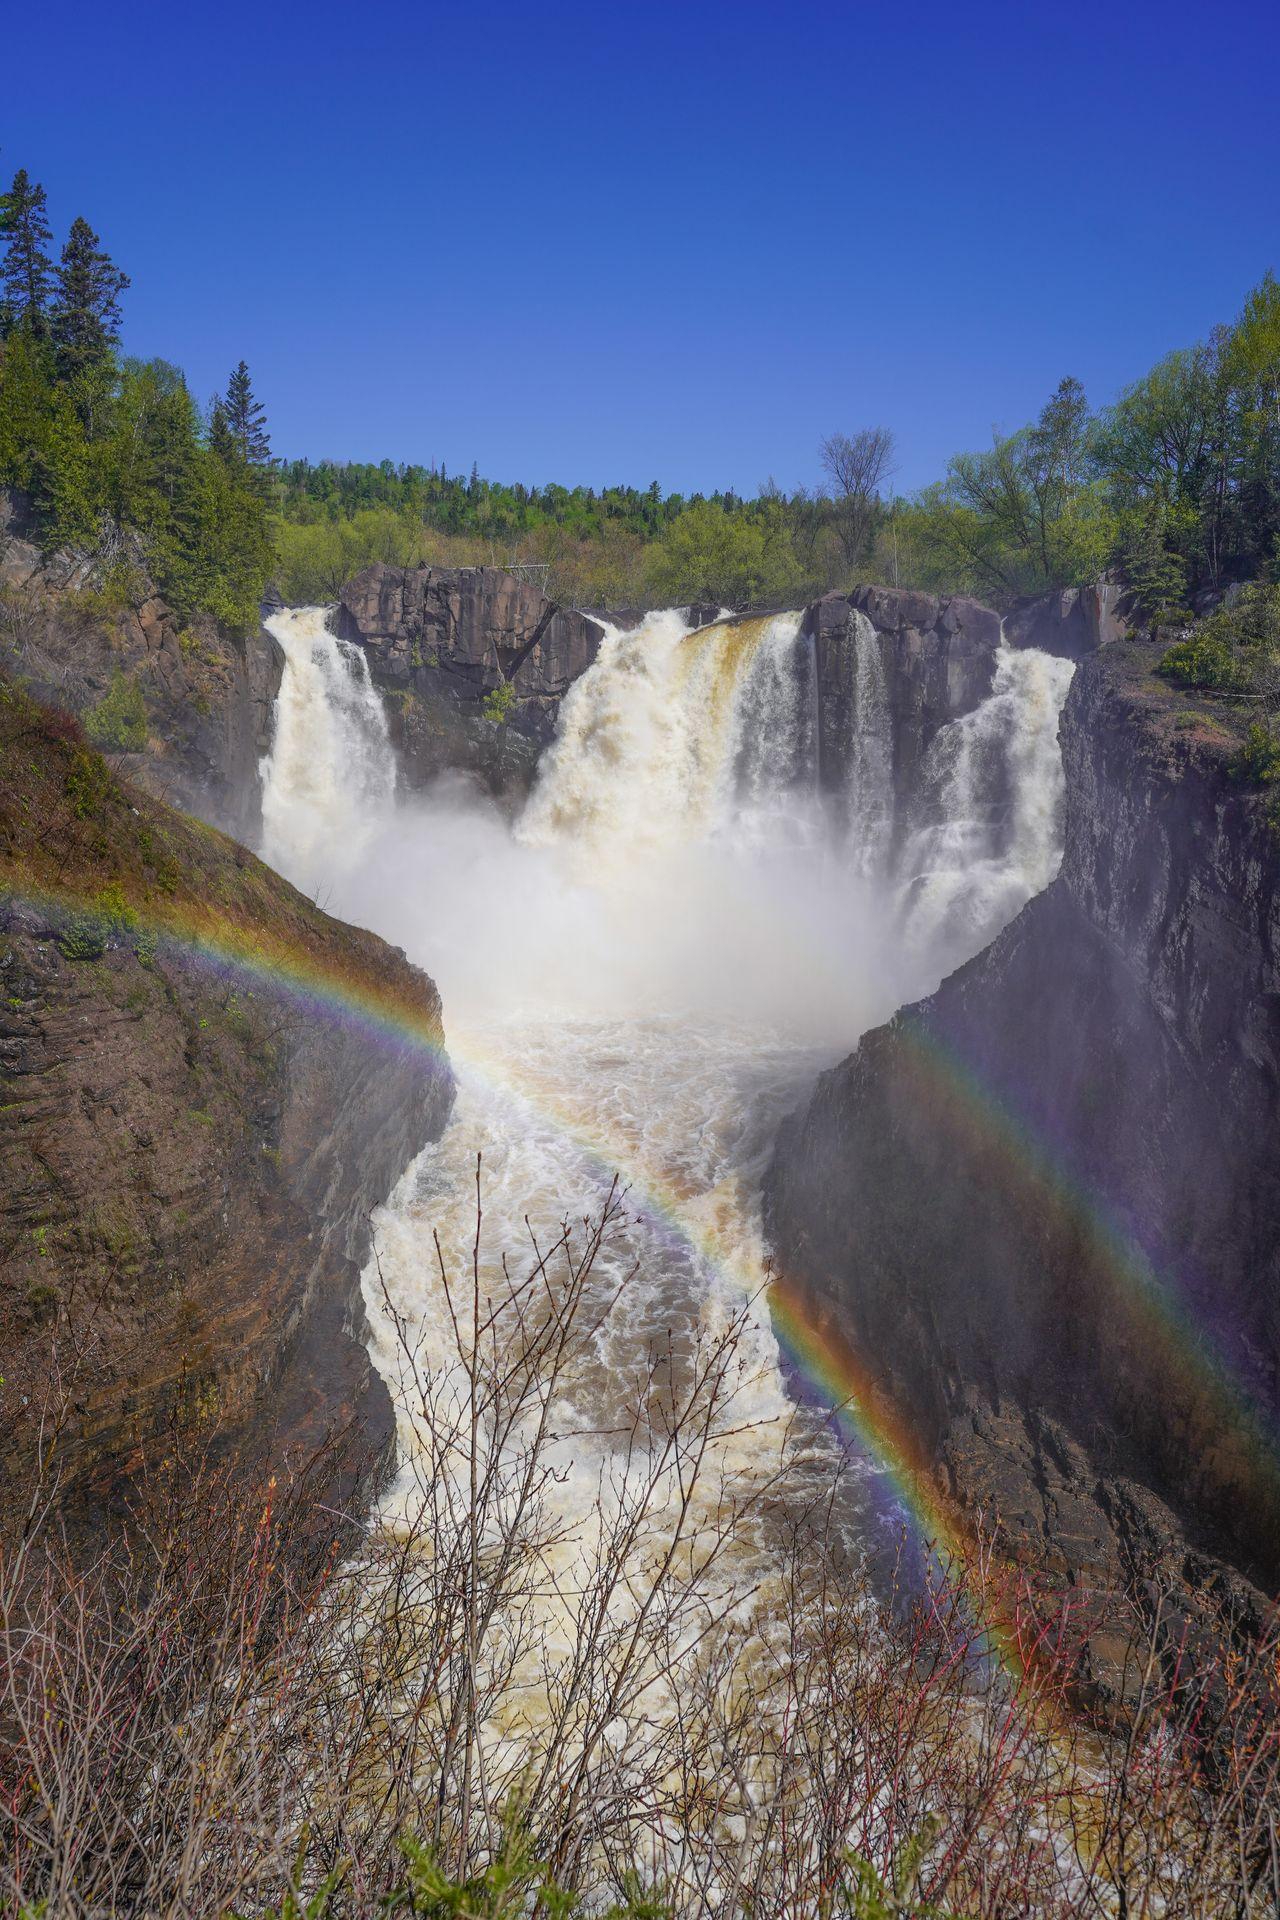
245	419
27	275
86	308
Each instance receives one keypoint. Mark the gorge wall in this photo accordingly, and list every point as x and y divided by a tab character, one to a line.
206	1085
1041	1205
473	662
70	632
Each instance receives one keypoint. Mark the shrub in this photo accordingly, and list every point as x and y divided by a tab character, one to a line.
87	784
498	704
118	723
1258	761
1200	661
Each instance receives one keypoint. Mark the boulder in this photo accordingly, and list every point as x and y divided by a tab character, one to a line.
1072	622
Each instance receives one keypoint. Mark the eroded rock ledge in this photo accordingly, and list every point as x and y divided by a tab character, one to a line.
1044	1205
190	1149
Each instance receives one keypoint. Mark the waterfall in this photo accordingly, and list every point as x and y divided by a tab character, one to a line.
988	819
643	977
328	781
870	781
676	737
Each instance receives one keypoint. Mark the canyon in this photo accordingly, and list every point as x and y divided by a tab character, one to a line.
1004	1128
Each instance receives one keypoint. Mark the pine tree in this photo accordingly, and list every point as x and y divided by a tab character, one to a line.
220	440
246	419
28	268
86	308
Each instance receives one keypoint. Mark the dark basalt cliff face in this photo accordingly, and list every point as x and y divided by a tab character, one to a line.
190	1150
445	642
938	659
1044	1205
208	692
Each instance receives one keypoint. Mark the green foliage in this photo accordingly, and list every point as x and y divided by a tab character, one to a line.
27	278
85	316
87	784
1258	761
499	703
1236	650
1153	567
114	453
1199	661
728	557
243	420
83	937
118	723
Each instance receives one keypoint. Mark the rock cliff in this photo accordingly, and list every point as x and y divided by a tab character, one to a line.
937	659
205	1086
1042	1205
70	634
474	662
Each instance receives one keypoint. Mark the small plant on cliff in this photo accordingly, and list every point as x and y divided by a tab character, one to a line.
1258	761
118	723
87	784
497	705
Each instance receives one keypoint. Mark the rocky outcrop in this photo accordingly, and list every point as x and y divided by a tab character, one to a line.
1071	622
1043	1205
69	633
475	660
938	659
206	1085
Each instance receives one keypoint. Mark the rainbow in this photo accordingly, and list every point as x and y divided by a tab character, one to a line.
832	1372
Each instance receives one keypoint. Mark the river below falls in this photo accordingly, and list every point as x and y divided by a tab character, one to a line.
642	977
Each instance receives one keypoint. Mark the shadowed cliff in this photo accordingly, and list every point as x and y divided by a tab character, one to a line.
1042	1204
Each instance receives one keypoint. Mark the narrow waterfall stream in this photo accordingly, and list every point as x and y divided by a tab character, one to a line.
645	973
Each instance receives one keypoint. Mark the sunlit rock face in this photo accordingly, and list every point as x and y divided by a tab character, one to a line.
193	1141
475	660
1072	622
1042	1203
937	659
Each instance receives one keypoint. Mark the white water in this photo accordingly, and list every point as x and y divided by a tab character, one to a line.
870	791
646	972
330	777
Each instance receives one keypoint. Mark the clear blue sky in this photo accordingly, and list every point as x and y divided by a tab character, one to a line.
672	242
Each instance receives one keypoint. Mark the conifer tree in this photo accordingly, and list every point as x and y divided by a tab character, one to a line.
246	419
86	308
28	267
220	440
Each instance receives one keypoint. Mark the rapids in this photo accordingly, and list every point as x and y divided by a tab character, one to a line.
646	971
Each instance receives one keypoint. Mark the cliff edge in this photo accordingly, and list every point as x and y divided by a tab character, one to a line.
1043	1206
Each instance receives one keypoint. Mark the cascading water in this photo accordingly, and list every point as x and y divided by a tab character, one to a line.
644	975
870	784
329	781
988	834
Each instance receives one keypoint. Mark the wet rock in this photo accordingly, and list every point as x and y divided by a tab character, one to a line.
190	1155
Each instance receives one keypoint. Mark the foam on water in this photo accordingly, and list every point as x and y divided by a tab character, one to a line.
645	973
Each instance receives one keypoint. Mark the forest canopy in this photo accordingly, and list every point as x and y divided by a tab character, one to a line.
1175	487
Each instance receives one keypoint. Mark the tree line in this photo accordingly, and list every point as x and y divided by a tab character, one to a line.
113	454
1175	487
